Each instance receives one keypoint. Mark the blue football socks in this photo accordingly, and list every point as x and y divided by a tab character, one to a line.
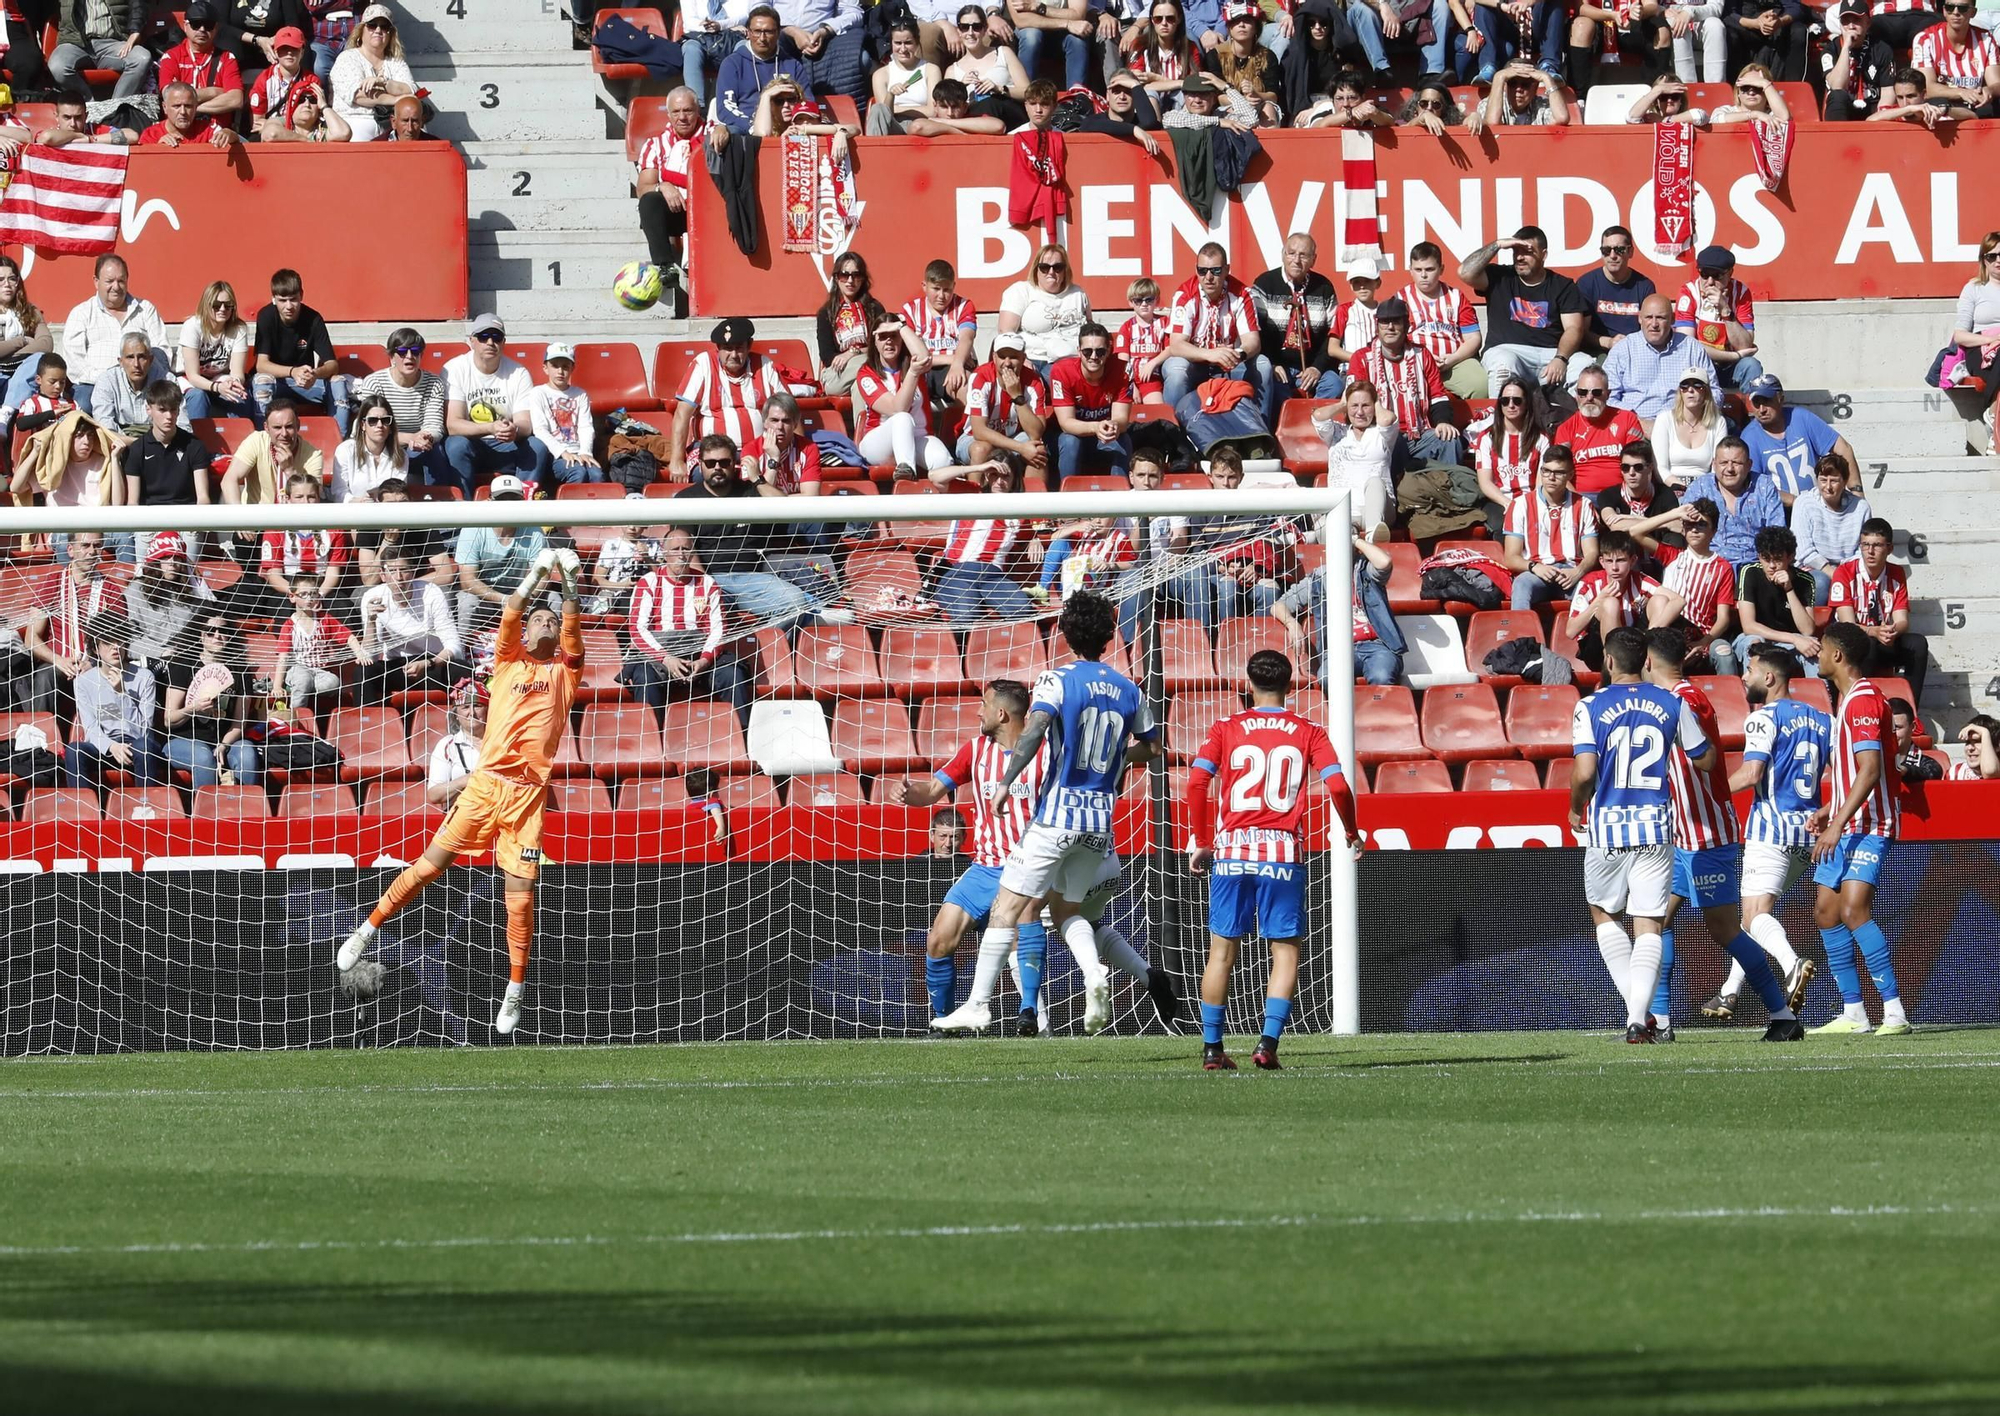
1211	1024
1663	991
1277	1012
1031	953
1757	970
1839	942
941	981
1875	951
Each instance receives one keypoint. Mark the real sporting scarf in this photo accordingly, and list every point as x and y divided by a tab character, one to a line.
1771	145
1360	223
819	197
1673	188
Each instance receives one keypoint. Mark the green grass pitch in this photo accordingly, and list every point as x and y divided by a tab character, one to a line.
1520	1223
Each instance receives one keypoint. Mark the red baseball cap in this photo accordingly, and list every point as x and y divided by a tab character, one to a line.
290	37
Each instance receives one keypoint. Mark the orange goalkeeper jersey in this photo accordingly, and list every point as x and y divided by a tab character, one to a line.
530	701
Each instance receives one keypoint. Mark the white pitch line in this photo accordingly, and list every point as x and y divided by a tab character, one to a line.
990	1231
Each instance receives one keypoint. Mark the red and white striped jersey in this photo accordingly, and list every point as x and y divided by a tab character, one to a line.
1874	602
1861	724
1353	324
940	329
984	398
872	383
1167	64
1704	815
732	407
996	826
1260	759
1961	68
1705	582
981	542
1409	383
1140	338
1638	589
798	467
1963	772
70	606
317	643
1896	7
1512	459
1440	322
667	614
1552	533
303	552
1093	559
1214	326
669	157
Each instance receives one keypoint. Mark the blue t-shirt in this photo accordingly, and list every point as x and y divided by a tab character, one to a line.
1613	309
1788	457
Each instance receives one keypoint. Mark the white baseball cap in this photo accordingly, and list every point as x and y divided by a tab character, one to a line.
507	485
559	351
1009	340
1364	268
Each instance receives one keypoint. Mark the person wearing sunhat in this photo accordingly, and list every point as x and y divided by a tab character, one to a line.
486	424
1248	65
370	75
269	97
204	66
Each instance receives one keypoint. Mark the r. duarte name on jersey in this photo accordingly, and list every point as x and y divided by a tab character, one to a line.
1658	712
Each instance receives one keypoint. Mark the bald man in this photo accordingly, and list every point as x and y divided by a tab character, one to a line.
406	121
1645	369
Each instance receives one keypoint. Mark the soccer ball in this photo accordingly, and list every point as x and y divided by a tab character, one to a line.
362	982
638	286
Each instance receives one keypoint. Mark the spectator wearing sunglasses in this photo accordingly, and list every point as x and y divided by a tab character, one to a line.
197	61
1213	331
101	36
994	80
1613	292
486	423
1090	398
1597	433
370	75
1959	63
1644	507
417	398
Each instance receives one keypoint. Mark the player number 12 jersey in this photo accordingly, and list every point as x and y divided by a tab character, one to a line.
1631	728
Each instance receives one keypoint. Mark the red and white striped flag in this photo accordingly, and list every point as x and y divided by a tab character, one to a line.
1360	223
66	199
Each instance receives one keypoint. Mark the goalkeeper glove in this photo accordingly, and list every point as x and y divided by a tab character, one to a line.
538	574
571	566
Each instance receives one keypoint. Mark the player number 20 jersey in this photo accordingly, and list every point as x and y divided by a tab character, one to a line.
1095	709
1261	759
1791	739
1631	729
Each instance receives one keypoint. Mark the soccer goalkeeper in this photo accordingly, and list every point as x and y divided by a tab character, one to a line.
536	668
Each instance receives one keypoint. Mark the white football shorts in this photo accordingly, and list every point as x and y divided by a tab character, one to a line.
1636	880
1071	864
1772	870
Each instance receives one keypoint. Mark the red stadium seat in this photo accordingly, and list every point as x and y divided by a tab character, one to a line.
1422	775
428	723
873	735
220	435
1461	722
645	117
1139	785
1303	449
579	794
943	724
705	735
1115	656
371	743
1556	777
1187	660
836	661
1814	691
826	791
1501	776
1385	724
11	723
1237	639
615	377
748	792
143	804
777	675
602	659
1096	484
358	361
1013	651
1564	643
1731	704
324	434
1191	715
318	799
922	662
648	20
230	803
62	804
1539	720
397	800
1487	630
617	740
1406	594
885	587
590	491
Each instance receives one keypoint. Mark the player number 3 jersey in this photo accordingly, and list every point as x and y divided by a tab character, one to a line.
1791	739
1094	708
1261	759
1631	729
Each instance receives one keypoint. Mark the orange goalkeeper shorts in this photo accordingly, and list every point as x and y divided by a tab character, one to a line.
507	816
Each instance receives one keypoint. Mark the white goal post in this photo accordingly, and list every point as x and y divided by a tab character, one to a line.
53	970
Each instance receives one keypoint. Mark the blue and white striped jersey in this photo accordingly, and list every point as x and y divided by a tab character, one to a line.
1793	740
1630	728
1095	709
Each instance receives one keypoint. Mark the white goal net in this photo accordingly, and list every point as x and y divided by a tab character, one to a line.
226	741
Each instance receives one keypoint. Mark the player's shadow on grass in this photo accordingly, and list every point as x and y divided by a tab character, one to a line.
691	1352
1370	1064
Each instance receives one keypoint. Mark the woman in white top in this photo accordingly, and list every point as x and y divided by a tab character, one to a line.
214	360
370	75
1686	433
371	455
23	331
903	84
1360	436
1976	324
1048	309
988	69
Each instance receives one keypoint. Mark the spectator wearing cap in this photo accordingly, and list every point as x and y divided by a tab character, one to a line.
1715	307
1646	372
1960	64
827	36
1406	380
168	465
722	392
492	560
753	67
486	424
1748	503
210	71
417	397
370	74
1786	444
1613	293
559	415
281	89
1859	69
99	34
182	126
1535	319
665	163
1873	592
1353	323
1827	524
116	701
1688	431
162	600
1006	407
1522	96
1212	331
1295	305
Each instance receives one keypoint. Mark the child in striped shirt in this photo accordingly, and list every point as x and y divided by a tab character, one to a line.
1141	342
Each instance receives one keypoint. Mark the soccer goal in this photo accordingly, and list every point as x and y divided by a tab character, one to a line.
739	838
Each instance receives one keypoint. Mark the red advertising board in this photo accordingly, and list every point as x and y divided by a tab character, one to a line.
376	230
1866	210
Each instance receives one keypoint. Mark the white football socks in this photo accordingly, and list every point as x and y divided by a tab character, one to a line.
1616	947
1733	985
994	947
1119	953
1081	937
1892	1012
1641	978
1770	937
